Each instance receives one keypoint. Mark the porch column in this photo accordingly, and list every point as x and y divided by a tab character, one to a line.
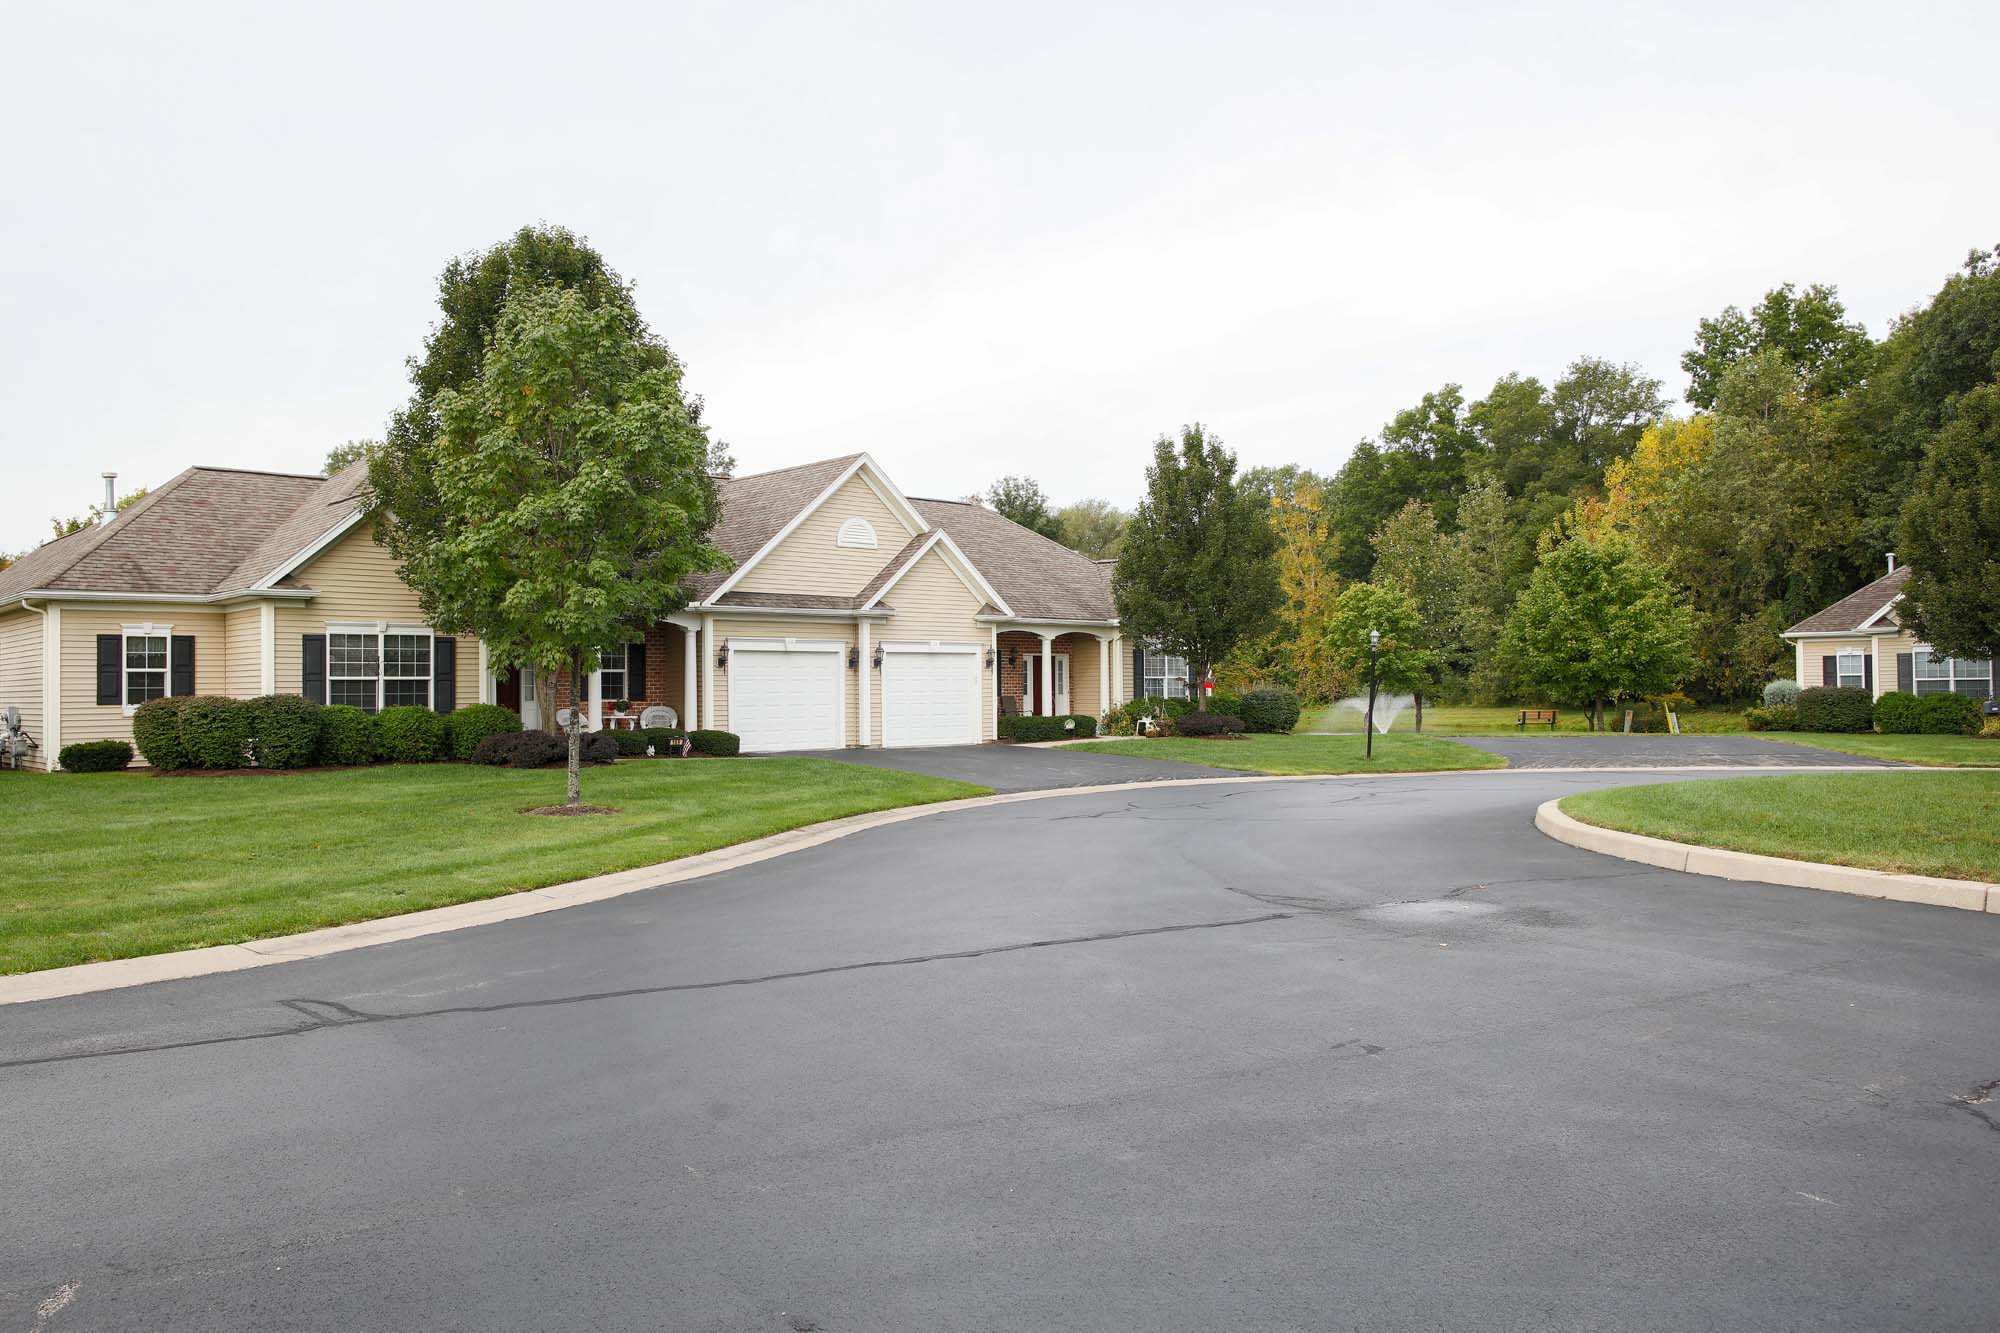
1117	670
1048	675
594	718
1103	674
866	713
690	655
708	672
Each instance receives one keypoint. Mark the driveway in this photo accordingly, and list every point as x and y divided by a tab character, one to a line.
1007	768
1616	750
1355	1053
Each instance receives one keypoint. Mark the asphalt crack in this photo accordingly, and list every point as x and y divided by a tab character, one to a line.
323	1014
1974	1100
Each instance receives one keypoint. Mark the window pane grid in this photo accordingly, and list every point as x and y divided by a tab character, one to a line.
145	667
368	671
1948	675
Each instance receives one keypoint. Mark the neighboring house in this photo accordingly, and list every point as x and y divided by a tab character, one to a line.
853	615
1858	641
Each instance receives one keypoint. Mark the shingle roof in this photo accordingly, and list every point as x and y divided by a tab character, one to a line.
1040	579
1855	610
333	500
756	508
185	538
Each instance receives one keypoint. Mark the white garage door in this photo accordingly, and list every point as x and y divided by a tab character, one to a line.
930	695
786	696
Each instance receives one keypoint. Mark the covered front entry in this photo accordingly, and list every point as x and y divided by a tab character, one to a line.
931	693
1060	676
786	694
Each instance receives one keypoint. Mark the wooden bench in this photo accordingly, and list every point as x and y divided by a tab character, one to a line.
1535	717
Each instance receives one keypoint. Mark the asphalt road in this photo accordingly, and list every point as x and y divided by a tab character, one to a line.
1300	1055
1007	768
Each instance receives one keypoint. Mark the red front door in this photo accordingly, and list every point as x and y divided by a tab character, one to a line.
507	693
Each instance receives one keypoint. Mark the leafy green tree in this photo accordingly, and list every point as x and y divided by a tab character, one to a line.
1809	329
1598	622
1365	491
1951	534
1196	574
1428	566
344	456
63	527
1403	665
1022	500
1485	539
570	497
1433	446
1095	528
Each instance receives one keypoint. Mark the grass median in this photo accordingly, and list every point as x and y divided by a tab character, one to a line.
1303	754
1914	823
1930	751
115	865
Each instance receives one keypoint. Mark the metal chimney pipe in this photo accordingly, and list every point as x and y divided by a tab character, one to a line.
110	510
1892	562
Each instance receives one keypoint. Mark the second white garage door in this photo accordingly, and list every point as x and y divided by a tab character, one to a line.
785	694
931	694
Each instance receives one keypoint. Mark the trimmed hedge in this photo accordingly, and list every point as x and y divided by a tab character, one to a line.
466	728
410	735
1209	724
1229	705
599	747
1949	715
1270	708
215	731
95	757
664	740
156	730
1781	692
1778	717
1836	708
1898	713
521	749
628	742
284	731
1047	728
348	736
721	744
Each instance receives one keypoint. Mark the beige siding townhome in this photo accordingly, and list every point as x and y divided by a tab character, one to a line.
851	615
1859	642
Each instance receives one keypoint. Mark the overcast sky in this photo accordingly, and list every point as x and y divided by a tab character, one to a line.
971	240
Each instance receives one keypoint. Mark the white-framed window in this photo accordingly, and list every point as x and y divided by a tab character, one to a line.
1952	675
1853	669
611	680
372	667
1166	677
148	654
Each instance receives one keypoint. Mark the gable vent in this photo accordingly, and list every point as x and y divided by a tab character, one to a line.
856	532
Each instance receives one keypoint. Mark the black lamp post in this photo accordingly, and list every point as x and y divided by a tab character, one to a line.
1374	641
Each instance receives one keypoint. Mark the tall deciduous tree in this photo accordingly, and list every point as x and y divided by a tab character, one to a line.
569	497
1021	499
1196	574
1092	527
1403	665
1416	558
1598	622
344	456
1810	330
1308	585
1951	533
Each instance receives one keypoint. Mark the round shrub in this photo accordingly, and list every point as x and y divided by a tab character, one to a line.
664	740
95	757
464	729
1836	708
215	731
1778	717
1271	708
521	749
1897	713
1229	705
156	730
410	735
1781	692
1949	715
348	736
631	742
719	743
1209	724
284	731
599	747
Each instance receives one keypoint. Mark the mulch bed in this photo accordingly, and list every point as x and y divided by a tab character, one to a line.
571	810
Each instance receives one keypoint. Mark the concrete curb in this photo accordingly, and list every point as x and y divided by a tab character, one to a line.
86	978
1965	894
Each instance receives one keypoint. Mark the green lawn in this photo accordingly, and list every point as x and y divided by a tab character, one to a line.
1936	751
114	865
1394	753
1921	823
1481	720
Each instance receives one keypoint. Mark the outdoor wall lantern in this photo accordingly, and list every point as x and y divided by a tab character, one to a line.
876	659
853	657
722	654
990	655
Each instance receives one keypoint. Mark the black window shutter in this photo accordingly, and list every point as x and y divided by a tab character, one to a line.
1829	668
1906	672
1993	681
444	675
110	668
1868	672
635	672
1138	673
180	670
312	675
